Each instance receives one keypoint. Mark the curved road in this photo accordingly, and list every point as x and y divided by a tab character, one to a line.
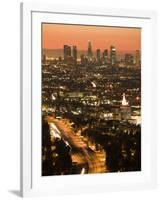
95	164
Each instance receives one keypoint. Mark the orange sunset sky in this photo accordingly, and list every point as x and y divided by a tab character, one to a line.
54	36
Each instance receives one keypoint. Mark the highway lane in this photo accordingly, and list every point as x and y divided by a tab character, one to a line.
86	155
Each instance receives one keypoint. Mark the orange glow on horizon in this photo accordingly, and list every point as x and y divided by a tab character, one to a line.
54	36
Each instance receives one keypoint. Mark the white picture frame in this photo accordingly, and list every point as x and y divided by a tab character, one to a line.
32	183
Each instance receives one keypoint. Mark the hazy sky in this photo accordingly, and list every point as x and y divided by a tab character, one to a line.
54	36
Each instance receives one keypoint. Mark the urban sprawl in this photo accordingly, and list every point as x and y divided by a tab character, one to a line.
91	112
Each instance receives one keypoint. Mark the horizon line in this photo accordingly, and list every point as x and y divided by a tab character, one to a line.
87	49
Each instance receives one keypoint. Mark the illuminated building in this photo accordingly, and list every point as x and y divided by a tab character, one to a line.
112	55
43	58
67	52
122	112
84	59
129	59
125	109
98	53
70	53
75	53
75	94
116	113
137	58
90	53
124	102
105	56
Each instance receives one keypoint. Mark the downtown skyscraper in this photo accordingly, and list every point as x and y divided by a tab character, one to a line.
112	55
70	53
90	53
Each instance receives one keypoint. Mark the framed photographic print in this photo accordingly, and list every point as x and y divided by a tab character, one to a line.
87	99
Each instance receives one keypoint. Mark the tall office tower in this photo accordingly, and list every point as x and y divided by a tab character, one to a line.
105	56
90	53
84	59
67	52
43	58
129	59
137	58
112	55
98	54
75	53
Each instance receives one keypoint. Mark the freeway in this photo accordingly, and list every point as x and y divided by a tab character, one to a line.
96	164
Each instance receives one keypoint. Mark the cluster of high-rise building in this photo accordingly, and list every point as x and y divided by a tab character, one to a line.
110	57
70	53
100	57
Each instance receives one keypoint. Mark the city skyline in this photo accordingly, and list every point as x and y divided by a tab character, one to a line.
124	39
91	100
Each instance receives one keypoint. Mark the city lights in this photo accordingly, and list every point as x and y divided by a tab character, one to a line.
91	106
